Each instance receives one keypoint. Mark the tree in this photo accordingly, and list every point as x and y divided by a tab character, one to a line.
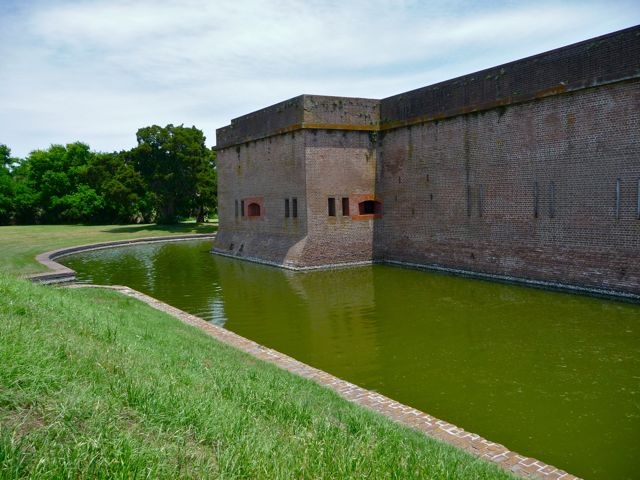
169	175
25	201
206	196
5	155
7	194
53	186
178	169
121	187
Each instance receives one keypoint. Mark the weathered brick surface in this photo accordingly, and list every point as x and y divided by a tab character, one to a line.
310	165
262	123
528	170
339	164
597	61
273	169
461	192
305	111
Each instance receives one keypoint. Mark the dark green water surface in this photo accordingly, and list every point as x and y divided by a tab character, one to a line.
550	375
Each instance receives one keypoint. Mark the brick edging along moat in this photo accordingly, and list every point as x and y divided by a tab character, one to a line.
58	273
509	460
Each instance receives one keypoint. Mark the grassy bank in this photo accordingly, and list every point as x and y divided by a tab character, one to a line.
97	385
20	245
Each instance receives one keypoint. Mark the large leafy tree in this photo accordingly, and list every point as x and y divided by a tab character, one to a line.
169	175
206	195
57	176
121	187
178	169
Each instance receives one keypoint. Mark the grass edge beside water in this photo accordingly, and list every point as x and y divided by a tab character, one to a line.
95	384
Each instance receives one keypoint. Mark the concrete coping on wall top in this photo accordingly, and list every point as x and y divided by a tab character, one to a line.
610	58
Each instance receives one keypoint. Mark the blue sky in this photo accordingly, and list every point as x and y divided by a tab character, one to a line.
97	70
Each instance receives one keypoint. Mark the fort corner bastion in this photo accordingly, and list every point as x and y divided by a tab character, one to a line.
527	171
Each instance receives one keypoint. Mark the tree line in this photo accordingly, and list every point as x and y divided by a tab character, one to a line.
170	175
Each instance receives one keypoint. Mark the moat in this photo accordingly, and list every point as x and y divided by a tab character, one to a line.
551	375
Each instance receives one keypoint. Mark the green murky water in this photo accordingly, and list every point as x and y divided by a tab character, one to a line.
550	375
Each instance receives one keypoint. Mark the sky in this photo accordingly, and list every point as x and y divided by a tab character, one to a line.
96	71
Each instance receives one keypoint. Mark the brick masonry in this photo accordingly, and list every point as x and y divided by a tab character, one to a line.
526	192
528	171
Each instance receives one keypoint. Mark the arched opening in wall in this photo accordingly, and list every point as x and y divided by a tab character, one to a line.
370	207
253	210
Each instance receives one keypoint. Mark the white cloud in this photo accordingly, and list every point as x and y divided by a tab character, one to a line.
97	70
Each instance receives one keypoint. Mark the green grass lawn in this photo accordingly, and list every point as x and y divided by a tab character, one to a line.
94	384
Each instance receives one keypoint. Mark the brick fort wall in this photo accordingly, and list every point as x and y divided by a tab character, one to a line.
530	170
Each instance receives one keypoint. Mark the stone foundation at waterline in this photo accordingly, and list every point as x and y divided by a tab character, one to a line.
526	171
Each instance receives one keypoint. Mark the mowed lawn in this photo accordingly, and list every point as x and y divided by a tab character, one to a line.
94	384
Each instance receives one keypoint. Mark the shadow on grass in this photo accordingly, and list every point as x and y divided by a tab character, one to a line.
184	227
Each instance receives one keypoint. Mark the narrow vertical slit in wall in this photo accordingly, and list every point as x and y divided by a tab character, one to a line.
535	199
552	199
345	206
286	208
331	206
617	198
468	200
294	207
242	208
638	209
480	193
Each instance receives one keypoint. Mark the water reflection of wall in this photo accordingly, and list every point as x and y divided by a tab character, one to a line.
185	275
324	318
490	356
181	274
551	375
